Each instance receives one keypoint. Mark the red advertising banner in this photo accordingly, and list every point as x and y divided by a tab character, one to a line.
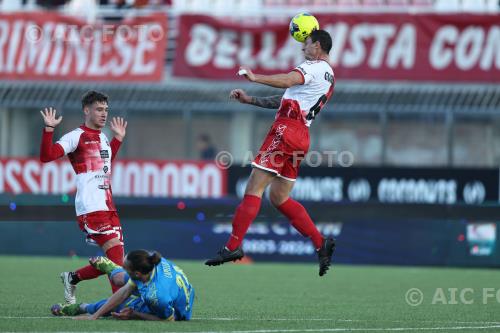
51	46
130	178
424	47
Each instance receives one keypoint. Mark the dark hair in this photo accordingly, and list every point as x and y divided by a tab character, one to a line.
143	261
93	96
324	39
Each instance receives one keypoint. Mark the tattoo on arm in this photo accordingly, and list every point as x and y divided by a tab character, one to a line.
271	102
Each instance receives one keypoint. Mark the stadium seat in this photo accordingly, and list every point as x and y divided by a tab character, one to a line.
474	5
323	3
86	9
397	3
423	3
373	2
447	5
349	2
10	6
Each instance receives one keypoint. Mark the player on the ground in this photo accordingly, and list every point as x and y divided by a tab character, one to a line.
309	86
162	286
90	154
119	277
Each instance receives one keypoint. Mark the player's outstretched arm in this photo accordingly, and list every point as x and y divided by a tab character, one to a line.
48	150
270	102
277	80
116	299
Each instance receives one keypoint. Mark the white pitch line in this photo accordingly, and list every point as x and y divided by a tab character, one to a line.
291	319
20	317
345	320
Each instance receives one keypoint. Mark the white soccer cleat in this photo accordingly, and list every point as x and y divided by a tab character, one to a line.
69	289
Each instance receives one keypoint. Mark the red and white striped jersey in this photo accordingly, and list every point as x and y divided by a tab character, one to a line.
305	101
90	154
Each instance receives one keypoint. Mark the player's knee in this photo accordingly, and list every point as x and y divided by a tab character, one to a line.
254	188
119	279
258	182
277	197
111	243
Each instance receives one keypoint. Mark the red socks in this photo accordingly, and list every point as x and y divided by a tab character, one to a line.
245	213
115	254
87	273
301	221
249	208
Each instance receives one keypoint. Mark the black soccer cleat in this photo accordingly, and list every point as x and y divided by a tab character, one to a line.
325	254
224	255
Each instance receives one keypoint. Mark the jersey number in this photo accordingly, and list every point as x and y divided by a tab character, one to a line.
181	280
316	108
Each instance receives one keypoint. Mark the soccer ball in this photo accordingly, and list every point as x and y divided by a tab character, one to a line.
302	25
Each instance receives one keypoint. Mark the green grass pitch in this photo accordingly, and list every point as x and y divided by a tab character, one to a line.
271	298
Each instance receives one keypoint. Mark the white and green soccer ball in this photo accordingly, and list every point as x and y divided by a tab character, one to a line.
302	25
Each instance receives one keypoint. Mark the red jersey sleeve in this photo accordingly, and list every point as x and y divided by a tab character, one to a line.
115	146
50	151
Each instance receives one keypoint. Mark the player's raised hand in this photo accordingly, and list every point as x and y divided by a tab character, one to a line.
124	314
240	95
119	127
247	73
49	117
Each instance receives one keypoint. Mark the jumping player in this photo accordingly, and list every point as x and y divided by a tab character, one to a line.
308	87
90	154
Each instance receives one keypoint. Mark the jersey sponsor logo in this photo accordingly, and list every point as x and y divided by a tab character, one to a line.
93	142
104	154
152	295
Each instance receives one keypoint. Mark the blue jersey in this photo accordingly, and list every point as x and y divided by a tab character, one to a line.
168	293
